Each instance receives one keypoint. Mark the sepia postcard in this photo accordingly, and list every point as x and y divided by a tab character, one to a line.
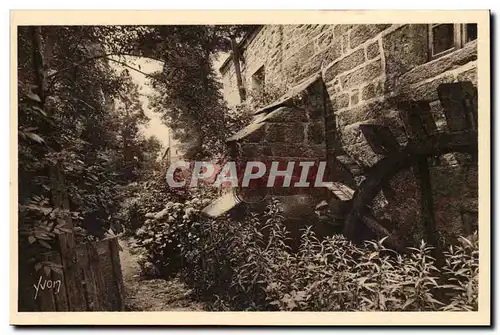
250	168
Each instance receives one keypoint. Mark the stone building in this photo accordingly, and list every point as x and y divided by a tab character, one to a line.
350	75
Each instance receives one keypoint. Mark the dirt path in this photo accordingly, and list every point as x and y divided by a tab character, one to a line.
152	294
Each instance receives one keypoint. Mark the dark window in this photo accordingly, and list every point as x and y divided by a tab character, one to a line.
258	79
444	38
470	32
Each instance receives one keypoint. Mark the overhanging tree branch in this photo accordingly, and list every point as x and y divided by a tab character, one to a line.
90	59
133	68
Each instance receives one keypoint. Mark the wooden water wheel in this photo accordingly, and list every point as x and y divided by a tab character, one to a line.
459	102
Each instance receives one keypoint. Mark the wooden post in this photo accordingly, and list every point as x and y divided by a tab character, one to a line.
26	280
45	296
236	63
89	286
60	297
427	207
117	271
95	268
73	277
419	126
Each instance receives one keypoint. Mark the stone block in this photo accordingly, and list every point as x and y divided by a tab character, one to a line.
468	75
254	132
361	75
368	91
442	64
324	57
334	87
300	57
428	90
341	29
324	40
251	151
285	132
374	110
404	49
344	64
297	150
373	50
345	44
351	135
340	101
286	114
354	97
316	132
363	154
301	74
447	181
363	32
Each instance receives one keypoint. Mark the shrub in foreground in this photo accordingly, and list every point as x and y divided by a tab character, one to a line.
248	265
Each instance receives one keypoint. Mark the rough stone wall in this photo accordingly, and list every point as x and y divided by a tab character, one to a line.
295	132
289	53
366	68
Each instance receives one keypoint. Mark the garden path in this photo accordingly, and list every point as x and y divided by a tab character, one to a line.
152	294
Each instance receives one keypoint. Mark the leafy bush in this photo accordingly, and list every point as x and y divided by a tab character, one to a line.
248	265
462	273
149	195
166	233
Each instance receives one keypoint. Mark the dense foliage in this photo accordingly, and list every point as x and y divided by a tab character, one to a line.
79	140
187	90
84	165
83	162
248	265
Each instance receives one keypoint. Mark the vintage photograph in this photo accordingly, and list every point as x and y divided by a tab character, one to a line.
248	167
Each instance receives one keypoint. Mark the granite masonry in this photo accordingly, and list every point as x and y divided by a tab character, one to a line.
351	75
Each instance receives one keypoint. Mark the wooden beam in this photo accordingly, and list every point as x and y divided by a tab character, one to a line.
459	102
379	175
236	62
93	257
350	165
340	191
380	138
427	207
417	119
463	141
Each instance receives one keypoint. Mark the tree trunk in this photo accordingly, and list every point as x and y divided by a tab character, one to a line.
59	195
